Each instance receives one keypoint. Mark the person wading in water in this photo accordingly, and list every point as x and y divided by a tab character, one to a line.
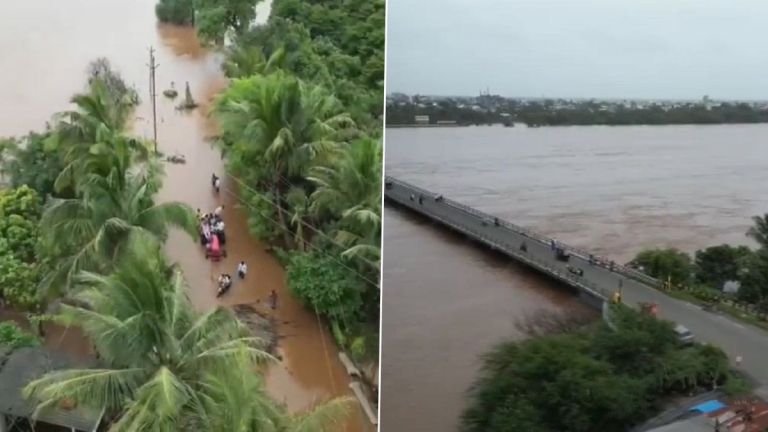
242	269
273	300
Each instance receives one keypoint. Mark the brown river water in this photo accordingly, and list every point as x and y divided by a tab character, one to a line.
614	190
47	45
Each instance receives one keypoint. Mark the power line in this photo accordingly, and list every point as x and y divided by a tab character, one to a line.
307	225
316	248
315	230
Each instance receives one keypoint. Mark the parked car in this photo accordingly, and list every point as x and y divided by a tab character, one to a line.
683	334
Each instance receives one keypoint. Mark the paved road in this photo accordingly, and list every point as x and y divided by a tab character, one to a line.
736	339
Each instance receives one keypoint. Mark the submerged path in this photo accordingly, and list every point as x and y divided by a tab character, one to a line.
41	33
596	283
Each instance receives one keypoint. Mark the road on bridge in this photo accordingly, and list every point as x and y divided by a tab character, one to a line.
735	338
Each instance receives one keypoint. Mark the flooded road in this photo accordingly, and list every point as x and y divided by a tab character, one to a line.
47	47
615	190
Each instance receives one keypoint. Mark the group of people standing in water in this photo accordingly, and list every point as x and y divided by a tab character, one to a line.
212	224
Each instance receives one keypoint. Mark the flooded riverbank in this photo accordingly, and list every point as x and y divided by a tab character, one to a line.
614	190
47	48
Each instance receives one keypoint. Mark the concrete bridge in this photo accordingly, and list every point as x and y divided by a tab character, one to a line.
595	278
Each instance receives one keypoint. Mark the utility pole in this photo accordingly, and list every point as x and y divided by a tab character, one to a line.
153	93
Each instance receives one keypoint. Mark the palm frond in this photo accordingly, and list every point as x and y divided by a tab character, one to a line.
329	416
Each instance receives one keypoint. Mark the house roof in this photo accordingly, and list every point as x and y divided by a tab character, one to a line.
26	364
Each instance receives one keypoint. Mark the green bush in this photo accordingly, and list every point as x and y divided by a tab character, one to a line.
179	12
34	163
19	281
262	218
323	284
358	347
11	336
601	379
706	294
666	264
19	233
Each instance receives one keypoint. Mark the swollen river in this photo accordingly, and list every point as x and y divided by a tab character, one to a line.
614	190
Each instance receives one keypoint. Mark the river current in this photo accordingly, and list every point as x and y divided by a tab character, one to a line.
613	190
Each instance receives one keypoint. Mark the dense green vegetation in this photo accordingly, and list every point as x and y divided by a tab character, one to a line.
704	276
546	113
20	260
599	378
213	19
96	246
12	337
300	130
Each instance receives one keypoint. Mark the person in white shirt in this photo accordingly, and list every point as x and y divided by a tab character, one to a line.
242	269
218	210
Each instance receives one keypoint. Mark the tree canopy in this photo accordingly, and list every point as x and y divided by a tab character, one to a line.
666	264
599	378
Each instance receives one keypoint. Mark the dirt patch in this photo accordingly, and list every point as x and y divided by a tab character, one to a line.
262	326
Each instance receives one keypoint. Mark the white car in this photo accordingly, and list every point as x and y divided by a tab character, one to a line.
683	334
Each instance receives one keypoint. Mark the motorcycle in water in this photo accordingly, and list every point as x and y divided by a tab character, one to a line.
225	284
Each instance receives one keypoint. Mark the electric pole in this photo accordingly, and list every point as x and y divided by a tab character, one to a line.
153	93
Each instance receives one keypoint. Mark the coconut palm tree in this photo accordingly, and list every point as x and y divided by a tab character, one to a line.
89	232
239	403
282	126
165	366
299	206
157	352
248	60
350	190
91	137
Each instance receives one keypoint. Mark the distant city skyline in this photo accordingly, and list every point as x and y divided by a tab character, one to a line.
603	49
605	99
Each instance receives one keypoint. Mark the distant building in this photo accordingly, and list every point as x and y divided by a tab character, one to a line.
421	119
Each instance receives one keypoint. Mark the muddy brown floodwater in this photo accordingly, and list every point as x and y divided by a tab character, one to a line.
615	190
46	48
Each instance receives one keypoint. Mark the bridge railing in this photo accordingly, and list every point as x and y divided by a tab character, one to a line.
564	276
584	254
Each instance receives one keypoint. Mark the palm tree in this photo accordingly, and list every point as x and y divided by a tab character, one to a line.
299	206
239	403
350	190
280	125
90	231
165	366
158	353
91	137
248	60
759	231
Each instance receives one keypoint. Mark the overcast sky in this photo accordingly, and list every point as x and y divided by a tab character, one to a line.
579	48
